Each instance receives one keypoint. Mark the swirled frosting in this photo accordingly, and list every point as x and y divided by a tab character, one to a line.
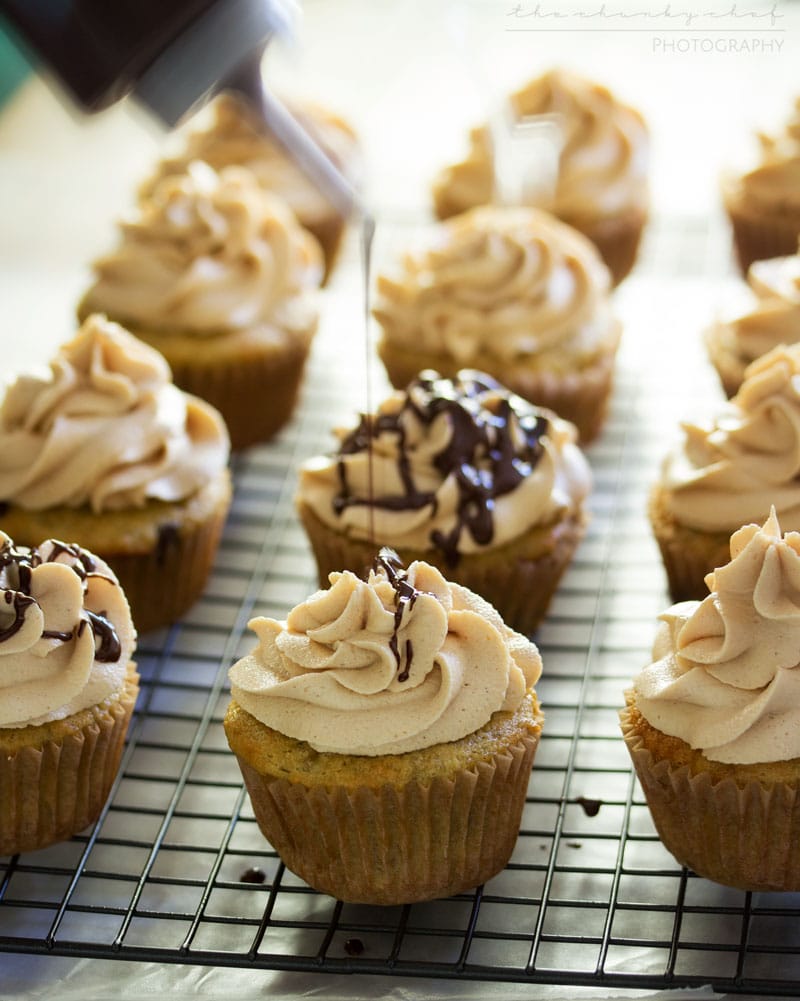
774	183
602	167
456	465
512	282
726	671
209	253
392	664
105	428
774	318
729	469
229	137
66	635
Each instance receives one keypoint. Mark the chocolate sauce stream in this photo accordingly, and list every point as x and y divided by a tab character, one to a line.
367	238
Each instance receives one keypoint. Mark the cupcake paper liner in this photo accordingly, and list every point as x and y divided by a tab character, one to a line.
519	578
688	555
163	583
617	239
759	237
256	394
741	835
395	845
56	783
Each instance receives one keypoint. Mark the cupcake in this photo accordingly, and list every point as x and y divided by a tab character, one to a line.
67	690
463	475
385	732
600	185
727	472
772	319
106	450
763	204
218	276
511	292
227	135
711	726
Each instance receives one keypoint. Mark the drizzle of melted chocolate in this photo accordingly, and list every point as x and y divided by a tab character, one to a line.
253	875
22	561
354	947
405	596
168	537
495	442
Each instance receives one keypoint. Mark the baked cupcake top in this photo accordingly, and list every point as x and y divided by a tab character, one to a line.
207	254
399	662
511	283
602	167
731	468
230	137
774	183
774	318
106	428
458	465
725	676
66	636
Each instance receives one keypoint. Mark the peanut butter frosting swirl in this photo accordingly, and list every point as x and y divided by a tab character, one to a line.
775	182
731	468
603	161
398	662
231	137
726	671
209	253
774	318
513	283
105	428
66	635
458	465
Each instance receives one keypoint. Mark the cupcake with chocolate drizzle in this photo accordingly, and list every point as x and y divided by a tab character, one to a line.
67	690
386	731
460	473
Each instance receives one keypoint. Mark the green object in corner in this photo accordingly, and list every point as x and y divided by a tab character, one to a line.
14	67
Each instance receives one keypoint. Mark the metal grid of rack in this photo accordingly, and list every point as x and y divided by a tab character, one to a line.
176	870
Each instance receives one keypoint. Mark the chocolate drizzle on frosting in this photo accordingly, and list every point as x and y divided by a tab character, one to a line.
495	442
17	564
406	594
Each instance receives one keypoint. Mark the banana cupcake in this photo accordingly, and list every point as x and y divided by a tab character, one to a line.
727	472
711	724
226	135
217	275
511	292
773	319
601	182
67	690
763	204
462	474
385	732
104	449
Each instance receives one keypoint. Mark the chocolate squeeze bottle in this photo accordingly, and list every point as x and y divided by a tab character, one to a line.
171	56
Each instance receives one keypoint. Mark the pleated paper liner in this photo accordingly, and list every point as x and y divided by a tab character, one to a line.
394	843
518	578
738	831
760	236
617	238
252	377
161	553
55	778
687	553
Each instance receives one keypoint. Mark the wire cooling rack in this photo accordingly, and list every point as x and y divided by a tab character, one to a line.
176	871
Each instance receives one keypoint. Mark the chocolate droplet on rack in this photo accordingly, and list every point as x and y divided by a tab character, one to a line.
253	875
354	947
591	807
